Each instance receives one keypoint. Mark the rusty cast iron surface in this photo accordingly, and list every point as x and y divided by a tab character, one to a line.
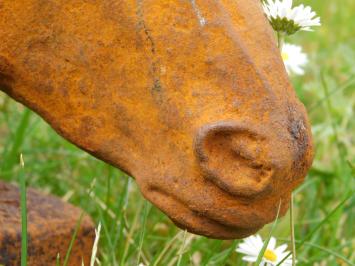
51	224
189	97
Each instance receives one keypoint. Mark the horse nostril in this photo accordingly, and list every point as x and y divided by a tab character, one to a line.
233	156
301	142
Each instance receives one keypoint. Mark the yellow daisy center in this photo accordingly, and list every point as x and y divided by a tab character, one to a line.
285	56
270	255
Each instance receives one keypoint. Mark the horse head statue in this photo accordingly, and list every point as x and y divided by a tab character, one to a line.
191	98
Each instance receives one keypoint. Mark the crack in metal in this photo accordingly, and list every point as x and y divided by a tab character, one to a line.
157	87
141	24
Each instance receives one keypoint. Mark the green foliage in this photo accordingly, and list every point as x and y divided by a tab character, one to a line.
266	241
77	227
23	203
134	231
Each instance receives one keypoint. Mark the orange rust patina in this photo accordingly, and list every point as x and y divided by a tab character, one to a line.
189	97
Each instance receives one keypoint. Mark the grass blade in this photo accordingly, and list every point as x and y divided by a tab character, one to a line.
121	210
340	88
77	227
318	226
266	243
221	257
166	248
146	209
130	236
57	263
326	250
23	213
96	243
292	225
12	156
182	248
71	244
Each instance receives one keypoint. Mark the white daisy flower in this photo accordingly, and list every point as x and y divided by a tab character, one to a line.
294	59
251	247
287	19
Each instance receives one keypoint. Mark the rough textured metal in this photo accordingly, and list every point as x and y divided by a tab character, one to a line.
189	97
51	224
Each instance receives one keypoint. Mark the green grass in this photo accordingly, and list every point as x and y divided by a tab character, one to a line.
267	240
23	203
77	228
133	231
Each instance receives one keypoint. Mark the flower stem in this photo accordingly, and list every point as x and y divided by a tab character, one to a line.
293	244
280	40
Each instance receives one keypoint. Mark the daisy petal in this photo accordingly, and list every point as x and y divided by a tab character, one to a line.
281	248
285	18
272	243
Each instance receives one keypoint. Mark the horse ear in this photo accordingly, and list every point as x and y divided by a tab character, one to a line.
233	157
